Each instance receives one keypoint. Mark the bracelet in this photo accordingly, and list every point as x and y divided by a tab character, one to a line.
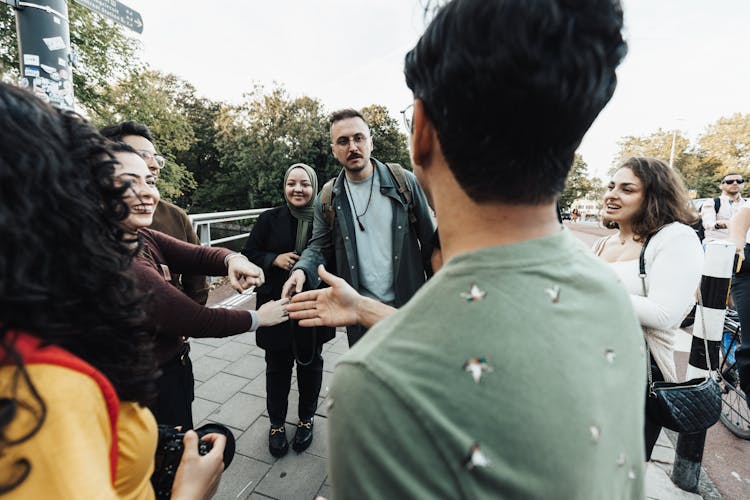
231	256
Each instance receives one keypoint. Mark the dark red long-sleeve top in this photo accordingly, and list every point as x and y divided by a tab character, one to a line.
172	315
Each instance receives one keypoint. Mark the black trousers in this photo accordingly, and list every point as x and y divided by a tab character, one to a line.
652	429
174	404
741	296
278	382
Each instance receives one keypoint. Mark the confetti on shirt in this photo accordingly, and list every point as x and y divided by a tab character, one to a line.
475	458
554	293
474	295
476	366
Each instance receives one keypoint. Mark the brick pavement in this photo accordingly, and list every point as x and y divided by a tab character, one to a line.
230	389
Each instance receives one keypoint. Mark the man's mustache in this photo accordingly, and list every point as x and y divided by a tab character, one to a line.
353	156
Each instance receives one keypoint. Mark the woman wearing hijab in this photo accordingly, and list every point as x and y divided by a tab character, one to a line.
275	244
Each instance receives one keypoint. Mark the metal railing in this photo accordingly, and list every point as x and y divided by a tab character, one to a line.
202	224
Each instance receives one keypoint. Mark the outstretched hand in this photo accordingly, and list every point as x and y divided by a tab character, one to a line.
273	312
294	284
243	274
334	306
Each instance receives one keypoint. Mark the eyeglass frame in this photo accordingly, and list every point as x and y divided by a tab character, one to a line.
407	114
732	181
148	155
357	139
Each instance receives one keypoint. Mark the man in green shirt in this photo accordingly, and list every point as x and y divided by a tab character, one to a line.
518	370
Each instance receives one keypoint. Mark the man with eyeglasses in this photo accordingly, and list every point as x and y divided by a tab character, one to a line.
518	370
168	218
716	212
370	241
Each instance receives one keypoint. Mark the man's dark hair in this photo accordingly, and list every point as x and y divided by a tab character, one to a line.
120	147
511	87
130	127
343	114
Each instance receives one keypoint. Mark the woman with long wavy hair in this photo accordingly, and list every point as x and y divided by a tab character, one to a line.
647	202
76	365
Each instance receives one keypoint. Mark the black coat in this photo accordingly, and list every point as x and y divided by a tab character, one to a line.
274	233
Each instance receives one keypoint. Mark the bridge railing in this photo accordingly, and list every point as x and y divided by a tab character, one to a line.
202	224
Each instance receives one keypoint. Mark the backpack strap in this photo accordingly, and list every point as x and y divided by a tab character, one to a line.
397	171
717	204
326	201
31	352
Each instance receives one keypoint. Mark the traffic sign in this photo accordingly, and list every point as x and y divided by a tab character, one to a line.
117	12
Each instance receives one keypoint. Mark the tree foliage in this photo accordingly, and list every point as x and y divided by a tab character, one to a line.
722	148
256	142
157	100
577	185
728	142
387	138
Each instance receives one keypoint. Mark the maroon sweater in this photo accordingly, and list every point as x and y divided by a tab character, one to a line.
172	315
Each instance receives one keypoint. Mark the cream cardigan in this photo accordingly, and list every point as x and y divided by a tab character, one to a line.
674	263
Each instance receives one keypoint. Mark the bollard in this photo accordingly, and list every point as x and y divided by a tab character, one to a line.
717	273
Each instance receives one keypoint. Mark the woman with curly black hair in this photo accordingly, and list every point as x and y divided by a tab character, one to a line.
76	366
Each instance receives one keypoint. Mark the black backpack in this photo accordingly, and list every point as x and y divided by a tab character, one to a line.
698	226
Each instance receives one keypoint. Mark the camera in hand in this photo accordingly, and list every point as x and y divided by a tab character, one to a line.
169	453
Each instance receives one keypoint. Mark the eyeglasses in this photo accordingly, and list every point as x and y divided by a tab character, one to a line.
148	156
358	139
408	115
732	181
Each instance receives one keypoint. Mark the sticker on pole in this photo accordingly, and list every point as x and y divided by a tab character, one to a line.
54	43
117	12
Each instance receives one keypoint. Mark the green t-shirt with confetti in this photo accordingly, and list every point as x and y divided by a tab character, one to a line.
517	371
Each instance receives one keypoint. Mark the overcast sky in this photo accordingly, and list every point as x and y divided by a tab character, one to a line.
686	67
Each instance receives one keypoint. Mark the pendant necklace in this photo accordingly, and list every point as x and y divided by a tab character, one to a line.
369	199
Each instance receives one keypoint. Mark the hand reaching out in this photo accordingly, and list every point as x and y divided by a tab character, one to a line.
273	312
294	284
286	261
243	274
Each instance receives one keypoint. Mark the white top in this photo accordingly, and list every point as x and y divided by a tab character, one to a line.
727	209
375	243
674	264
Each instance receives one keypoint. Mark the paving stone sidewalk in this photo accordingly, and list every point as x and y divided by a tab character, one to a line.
230	389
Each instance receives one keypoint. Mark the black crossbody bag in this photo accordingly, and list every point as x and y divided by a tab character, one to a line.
691	406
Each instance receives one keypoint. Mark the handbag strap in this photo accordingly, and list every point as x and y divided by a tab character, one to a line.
642	275
642	264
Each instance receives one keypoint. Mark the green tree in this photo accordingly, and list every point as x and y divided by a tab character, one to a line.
698	169
655	145
257	141
390	143
104	51
154	98
727	141
577	185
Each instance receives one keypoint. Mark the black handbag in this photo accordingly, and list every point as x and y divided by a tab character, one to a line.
691	406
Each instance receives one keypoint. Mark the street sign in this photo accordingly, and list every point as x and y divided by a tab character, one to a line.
115	11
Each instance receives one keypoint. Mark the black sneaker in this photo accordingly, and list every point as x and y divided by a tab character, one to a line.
277	443
304	435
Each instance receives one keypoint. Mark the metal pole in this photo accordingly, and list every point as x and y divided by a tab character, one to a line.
671	155
717	273
44	50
